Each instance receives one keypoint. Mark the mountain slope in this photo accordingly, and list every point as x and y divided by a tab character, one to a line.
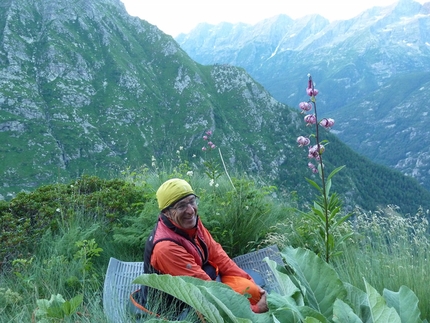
87	89
372	72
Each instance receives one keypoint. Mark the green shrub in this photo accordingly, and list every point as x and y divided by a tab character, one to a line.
133	230
29	215
240	217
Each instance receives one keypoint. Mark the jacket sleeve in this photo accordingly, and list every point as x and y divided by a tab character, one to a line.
217	255
170	258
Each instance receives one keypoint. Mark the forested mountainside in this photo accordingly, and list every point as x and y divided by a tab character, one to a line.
88	89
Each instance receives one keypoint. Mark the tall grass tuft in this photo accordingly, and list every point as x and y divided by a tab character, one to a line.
55	269
388	250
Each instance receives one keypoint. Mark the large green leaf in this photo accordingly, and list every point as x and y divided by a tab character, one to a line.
379	311
284	306
406	304
327	187
156	320
286	285
51	308
312	315
291	313
234	305
321	282
335	171
314	184
70	307
284	309
343	313
217	302
357	299
311	320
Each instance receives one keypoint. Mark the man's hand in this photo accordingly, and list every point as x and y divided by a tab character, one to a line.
261	306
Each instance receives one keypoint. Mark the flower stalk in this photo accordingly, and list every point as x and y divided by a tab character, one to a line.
325	213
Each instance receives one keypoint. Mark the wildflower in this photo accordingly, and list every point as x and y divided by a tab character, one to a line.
153	158
181	148
303	141
58	210
327	122
310	119
190	173
313	152
211	182
211	145
194	156
204	148
312	167
178	152
312	92
216	185
305	106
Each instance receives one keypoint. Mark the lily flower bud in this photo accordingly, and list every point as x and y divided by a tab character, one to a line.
327	122
303	141
310	119
305	106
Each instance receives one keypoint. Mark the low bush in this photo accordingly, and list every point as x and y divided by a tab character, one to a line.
29	215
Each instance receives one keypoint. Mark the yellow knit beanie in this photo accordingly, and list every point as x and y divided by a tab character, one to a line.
172	191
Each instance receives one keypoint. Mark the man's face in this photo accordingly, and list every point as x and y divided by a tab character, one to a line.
184	212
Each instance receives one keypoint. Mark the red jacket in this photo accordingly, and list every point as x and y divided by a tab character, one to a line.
180	252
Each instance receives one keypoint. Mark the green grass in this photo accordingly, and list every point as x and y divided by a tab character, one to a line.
52	270
389	251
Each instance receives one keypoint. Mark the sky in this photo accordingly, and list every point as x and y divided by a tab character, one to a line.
180	16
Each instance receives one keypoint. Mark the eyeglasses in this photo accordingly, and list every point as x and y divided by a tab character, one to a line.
183	205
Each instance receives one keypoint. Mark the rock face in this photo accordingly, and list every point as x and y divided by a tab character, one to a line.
87	89
373	71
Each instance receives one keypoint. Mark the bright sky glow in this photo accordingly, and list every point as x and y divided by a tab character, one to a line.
180	16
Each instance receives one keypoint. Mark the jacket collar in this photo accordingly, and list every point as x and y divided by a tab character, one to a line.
186	233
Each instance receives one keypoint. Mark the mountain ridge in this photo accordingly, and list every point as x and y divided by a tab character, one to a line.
359	64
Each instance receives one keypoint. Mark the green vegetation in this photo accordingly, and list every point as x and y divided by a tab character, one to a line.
53	266
311	292
51	207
